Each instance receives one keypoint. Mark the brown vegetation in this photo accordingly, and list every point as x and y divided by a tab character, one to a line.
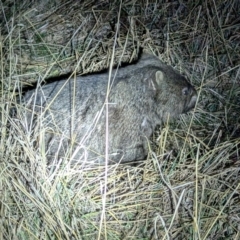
188	188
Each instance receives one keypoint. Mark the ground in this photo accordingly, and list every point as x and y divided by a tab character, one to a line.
188	187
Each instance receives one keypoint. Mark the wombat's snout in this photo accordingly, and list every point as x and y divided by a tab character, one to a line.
192	98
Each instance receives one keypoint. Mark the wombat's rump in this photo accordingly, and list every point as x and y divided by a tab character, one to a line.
140	97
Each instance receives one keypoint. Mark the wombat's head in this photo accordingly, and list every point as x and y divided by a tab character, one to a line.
173	92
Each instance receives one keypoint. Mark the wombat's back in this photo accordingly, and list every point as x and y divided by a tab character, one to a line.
140	96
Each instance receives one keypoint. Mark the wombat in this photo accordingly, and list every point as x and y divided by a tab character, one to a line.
128	105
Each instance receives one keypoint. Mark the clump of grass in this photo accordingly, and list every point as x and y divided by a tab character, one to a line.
188	188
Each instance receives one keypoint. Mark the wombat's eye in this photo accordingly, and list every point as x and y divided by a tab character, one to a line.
185	91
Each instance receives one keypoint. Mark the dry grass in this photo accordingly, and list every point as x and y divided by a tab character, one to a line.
188	188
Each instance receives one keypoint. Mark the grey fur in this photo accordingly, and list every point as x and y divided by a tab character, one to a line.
141	96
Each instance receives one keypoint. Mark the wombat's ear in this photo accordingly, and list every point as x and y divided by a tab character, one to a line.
159	78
